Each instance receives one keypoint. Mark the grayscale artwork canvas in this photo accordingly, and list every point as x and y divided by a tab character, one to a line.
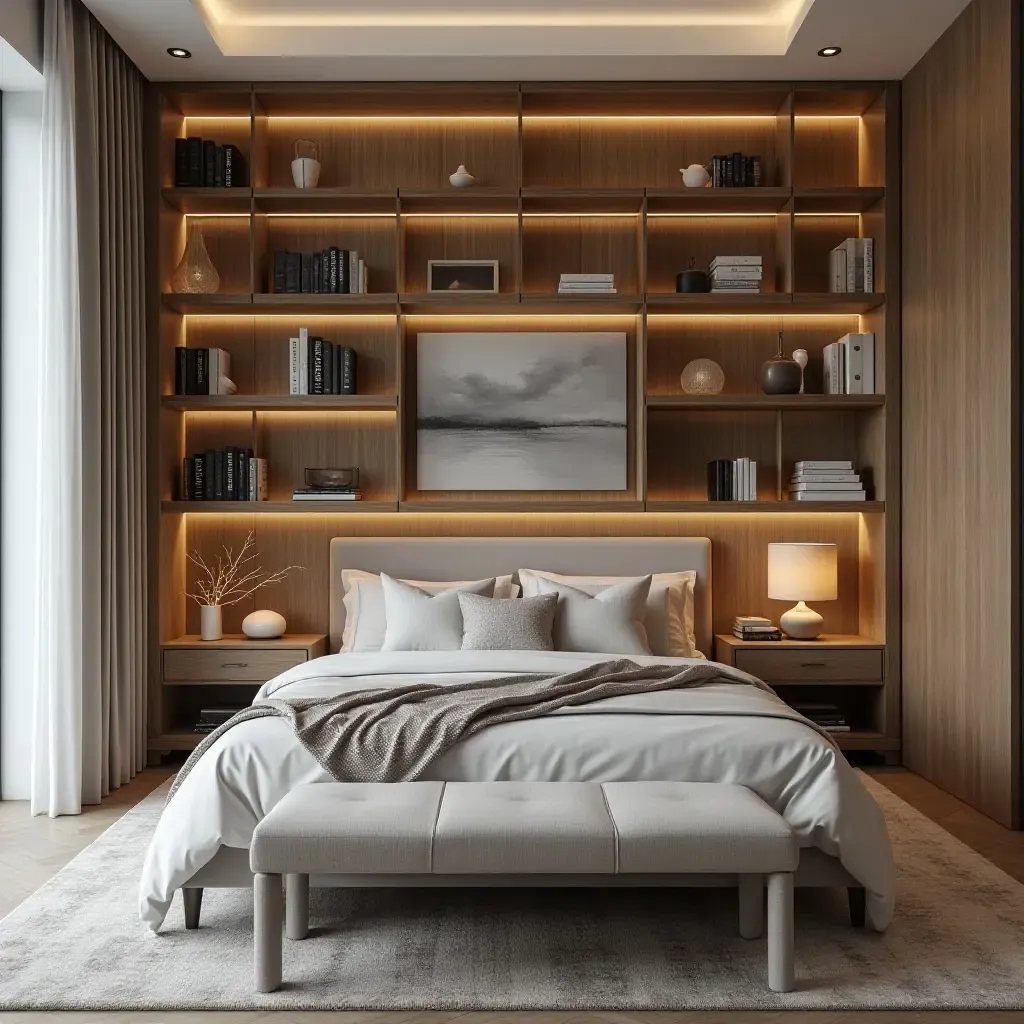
521	412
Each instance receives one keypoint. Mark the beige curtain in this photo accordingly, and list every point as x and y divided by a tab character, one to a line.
90	701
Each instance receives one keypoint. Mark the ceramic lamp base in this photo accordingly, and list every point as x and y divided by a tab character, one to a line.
801	622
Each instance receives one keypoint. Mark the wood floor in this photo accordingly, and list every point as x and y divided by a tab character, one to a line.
33	849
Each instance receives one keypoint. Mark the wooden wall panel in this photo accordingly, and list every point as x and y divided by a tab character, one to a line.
959	509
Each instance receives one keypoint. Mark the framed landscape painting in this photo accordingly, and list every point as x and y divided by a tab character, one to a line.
521	412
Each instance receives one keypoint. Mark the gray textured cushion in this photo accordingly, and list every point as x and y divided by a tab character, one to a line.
507	625
418	621
610	622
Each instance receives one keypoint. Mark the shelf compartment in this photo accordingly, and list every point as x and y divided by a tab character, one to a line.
451	237
278	507
281	403
177	739
717	200
324	201
770	507
209	201
783	403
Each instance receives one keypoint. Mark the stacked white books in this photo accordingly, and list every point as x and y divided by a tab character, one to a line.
851	266
849	365
755	627
326	494
823	480
587	284
736	274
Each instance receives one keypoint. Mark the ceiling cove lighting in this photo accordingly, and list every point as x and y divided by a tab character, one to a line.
180	52
830	51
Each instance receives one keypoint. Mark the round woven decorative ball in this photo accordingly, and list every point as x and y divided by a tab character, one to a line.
702	377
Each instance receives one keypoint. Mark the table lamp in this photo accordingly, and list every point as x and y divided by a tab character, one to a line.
802	572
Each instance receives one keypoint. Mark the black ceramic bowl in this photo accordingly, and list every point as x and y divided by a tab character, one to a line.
692	281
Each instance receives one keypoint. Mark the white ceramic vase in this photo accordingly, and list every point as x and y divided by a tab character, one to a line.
305	172
211	622
461	178
264	625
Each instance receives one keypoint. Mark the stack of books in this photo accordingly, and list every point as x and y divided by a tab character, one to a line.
823	480
736	170
754	627
736	274
327	494
828	716
333	271
228	474
732	480
849	365
201	163
202	371
851	266
211	718
318	367
586	284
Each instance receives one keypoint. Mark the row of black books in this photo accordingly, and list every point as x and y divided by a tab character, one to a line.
200	163
318	367
224	474
736	170
202	371
332	271
829	717
212	718
732	480
754	627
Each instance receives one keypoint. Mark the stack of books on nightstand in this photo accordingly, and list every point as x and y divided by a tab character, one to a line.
823	480
327	494
740	274
754	627
586	284
212	718
828	716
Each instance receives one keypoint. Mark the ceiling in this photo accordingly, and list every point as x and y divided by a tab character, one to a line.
490	40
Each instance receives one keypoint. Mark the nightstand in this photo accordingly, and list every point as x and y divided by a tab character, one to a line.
848	671
196	673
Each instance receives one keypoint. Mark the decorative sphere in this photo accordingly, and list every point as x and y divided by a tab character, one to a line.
263	625
702	377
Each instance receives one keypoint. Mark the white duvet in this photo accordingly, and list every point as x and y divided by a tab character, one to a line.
725	732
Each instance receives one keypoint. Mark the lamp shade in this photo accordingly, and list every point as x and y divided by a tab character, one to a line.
803	572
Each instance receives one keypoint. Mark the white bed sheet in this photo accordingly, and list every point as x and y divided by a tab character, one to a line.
725	732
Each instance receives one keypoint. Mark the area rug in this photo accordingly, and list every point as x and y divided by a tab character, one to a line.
957	943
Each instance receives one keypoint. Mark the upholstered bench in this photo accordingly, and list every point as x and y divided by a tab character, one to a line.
480	833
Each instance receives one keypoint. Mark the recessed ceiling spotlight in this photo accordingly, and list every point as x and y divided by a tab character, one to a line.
180	52
830	51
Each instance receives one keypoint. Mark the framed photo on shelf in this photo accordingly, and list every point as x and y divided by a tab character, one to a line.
474	276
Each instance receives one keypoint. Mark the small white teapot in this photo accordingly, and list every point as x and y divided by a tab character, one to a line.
695	176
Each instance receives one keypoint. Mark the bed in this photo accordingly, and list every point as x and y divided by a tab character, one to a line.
718	733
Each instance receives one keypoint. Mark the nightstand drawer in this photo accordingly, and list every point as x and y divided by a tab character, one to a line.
226	665
799	666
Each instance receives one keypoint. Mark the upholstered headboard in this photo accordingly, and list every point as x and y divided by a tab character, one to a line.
474	558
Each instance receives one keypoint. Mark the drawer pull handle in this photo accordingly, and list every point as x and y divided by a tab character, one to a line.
234	664
812	664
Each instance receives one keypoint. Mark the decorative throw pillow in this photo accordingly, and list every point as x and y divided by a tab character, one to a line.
610	622
418	621
669	616
365	619
507	625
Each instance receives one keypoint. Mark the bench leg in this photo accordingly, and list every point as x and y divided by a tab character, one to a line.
858	905
751	890
193	900
780	932
267	932
296	906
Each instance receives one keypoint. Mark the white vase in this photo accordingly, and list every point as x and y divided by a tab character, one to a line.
461	178
305	172
211	622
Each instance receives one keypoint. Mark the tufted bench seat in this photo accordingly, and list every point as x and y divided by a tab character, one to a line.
480	833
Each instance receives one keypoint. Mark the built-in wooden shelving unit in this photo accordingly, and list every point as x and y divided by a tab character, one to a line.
571	178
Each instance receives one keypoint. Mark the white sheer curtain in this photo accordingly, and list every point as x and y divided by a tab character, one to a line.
89	693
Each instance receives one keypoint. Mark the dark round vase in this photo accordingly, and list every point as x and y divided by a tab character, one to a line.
692	281
780	376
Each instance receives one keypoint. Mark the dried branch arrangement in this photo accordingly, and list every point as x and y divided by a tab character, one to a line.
232	578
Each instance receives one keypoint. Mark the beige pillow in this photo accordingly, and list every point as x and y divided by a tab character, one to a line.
669	616
365	616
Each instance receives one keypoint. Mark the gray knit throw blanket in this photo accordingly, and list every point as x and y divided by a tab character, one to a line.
392	734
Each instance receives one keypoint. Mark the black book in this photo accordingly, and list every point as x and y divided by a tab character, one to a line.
187	478
348	371
191	371
329	353
181	163
306	273
280	271
202	371
339	356
334	279
716	172
314	274
195	161
325	271
344	271
727	172
219	475
737	169
317	362
218	167
293	272
198	477
243	475
755	162
234	167
713	481
209	162
230	475
725	479
209	475
180	370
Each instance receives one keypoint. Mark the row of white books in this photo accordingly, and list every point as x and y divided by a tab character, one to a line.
736	274
851	266
849	365
826	480
587	283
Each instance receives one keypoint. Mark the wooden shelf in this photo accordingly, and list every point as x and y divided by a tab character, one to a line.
555	302
521	505
788	403
705	507
458	201
208	201
198	305
279	507
713	201
582	201
464	303
280	403
836	200
765	303
313	202
828	304
270	302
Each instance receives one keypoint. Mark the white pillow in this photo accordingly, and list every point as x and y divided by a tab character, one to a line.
669	617
365	619
419	621
610	622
